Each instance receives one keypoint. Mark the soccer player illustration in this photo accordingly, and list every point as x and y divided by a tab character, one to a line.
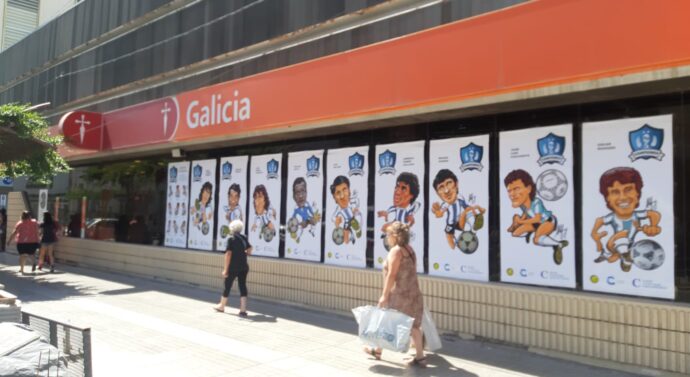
347	216
535	221
303	216
621	188
265	214
202	210
459	214
233	211
404	205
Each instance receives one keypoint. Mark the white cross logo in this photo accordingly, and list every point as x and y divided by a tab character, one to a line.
165	112
82	129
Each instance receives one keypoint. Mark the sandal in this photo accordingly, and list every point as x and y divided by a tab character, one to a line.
373	353
415	362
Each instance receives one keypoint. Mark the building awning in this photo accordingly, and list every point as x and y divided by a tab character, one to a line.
13	147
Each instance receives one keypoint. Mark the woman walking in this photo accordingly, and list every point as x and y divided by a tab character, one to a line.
26	233
49	231
236	266
401	288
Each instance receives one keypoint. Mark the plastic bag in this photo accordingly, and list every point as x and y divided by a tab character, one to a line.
385	328
431	337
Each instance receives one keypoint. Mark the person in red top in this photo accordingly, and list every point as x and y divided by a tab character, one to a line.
26	232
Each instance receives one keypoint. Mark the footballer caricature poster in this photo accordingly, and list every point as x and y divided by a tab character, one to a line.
347	192
304	205
627	216
232	196
399	196
202	205
264	204
458	202
537	206
177	204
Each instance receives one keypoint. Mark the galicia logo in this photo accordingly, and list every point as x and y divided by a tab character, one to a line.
196	173
337	256
551	148
227	171
272	169
446	267
523	272
636	283
646	143
611	280
463	268
356	162
387	162
173	175
313	164
544	274
471	157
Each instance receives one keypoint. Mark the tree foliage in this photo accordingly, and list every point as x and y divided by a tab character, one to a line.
40	165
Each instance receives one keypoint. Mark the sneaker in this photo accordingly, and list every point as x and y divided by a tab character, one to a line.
558	254
625	266
52	268
33	267
600	259
243	314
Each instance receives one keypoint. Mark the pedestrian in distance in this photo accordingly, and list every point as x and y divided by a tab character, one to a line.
3	228
26	233
235	266
49	230
401	288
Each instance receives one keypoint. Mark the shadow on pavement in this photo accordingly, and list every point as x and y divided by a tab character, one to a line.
436	366
478	351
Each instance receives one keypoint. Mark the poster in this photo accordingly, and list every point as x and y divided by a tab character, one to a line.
537	206
304	207
202	205
347	192
265	201
627	215
177	204
232	196
42	203
458	208
399	196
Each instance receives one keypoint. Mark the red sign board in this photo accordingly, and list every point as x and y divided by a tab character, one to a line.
83	129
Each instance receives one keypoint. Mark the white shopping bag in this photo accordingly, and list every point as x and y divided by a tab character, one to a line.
385	328
431	337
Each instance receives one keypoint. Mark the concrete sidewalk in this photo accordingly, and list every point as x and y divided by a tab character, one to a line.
154	328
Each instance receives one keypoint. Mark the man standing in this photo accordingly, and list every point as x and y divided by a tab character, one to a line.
458	212
621	188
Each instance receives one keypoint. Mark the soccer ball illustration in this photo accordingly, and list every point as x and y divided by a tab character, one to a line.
205	228
267	233
467	242
552	185
648	255
224	231
338	236
293	226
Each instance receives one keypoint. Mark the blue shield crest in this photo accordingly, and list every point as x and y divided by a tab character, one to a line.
356	162
646	143
551	148
173	174
272	169
196	173
313	164
226	170
387	162
471	157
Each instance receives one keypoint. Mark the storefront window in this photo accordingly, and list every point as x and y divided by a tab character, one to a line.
125	201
